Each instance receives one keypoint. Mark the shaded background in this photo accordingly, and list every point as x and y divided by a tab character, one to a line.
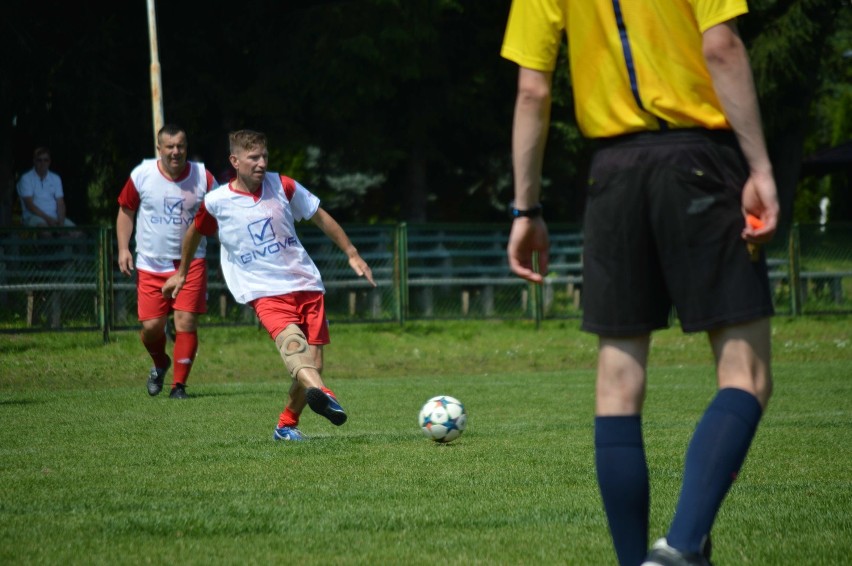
388	110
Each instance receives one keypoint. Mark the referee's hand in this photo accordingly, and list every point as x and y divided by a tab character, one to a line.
529	235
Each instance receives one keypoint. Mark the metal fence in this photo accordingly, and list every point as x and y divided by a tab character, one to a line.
52	278
811	270
68	278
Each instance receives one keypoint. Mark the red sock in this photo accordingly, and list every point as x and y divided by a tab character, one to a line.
157	350
328	391
186	346
288	418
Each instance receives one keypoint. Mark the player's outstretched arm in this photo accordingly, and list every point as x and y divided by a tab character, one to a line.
332	229
190	243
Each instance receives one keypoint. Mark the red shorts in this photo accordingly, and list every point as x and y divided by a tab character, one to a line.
305	309
192	296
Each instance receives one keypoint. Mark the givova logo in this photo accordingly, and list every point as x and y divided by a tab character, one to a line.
172	213
173	206
261	231
266	245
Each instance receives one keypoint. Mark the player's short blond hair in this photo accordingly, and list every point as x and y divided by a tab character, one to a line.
246	140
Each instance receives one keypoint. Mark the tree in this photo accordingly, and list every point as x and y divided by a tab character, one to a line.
789	44
830	126
388	109
68	83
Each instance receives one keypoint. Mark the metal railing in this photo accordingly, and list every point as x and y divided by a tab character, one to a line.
68	278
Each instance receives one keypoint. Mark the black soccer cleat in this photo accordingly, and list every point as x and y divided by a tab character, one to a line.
178	392
155	378
326	405
662	554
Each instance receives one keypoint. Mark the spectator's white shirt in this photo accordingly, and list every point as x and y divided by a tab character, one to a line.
261	254
44	193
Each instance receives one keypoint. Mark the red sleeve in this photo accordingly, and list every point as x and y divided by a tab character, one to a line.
129	196
211	181
289	187
204	222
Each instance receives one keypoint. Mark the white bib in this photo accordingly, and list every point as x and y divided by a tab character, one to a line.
261	255
166	208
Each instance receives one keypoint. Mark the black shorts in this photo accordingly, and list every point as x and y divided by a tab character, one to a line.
662	228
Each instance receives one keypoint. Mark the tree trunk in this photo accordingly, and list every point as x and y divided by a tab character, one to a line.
415	191
786	153
8	193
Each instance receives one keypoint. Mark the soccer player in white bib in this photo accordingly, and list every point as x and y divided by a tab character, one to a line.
265	266
161	197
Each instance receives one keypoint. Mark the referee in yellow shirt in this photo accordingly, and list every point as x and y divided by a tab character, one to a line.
666	88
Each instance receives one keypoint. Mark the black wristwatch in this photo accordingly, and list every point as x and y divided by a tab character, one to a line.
533	212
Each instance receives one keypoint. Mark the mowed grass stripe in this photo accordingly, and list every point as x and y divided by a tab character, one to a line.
96	472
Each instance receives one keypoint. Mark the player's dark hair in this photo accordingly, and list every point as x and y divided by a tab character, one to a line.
169	130
41	150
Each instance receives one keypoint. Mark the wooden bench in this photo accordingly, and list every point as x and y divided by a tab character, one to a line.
824	284
475	262
443	259
44	265
819	283
566	267
376	246
471	261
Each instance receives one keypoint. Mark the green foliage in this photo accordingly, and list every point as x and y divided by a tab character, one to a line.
832	124
797	49
833	113
407	102
808	195
789	35
97	472
100	192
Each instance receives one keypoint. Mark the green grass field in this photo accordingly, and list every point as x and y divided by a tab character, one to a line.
93	471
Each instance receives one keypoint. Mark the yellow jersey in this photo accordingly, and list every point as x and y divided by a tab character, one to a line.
635	65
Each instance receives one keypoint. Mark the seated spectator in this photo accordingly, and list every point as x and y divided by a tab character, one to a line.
40	189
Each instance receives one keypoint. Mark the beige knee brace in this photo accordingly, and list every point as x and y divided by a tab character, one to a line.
298	357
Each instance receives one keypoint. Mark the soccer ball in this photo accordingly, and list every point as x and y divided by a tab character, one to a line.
442	418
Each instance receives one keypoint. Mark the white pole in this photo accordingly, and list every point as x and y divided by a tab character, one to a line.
156	87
